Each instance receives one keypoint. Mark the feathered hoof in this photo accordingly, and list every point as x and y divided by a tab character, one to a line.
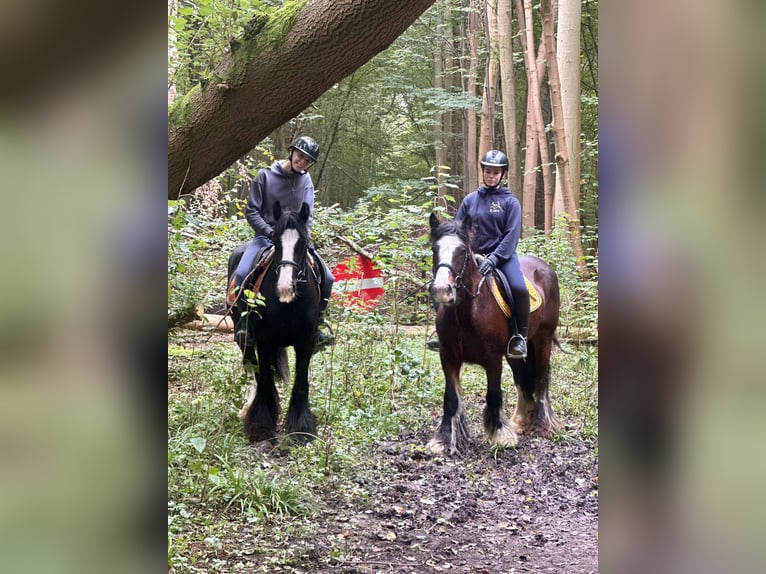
436	447
505	436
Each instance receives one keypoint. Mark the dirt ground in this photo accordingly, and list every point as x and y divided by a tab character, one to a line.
533	509
529	509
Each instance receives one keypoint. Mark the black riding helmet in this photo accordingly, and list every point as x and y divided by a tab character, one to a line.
307	145
495	158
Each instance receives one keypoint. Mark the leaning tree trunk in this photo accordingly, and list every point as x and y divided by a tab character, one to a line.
280	65
562	157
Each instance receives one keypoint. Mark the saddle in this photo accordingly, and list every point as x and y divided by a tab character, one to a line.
501	291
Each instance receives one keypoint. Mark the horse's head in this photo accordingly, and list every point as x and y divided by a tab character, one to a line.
450	241
291	240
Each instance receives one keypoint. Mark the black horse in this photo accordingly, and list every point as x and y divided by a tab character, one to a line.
285	313
473	329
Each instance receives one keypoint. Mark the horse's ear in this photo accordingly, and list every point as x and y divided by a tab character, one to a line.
467	224
277	210
434	220
305	212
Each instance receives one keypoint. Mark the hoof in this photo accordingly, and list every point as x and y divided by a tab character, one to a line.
505	436
436	447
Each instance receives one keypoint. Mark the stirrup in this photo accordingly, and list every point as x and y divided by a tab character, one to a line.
517	347
433	344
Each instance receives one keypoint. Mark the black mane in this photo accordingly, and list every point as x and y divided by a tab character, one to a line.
449	227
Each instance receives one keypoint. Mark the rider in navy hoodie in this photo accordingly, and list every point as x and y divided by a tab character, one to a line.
496	216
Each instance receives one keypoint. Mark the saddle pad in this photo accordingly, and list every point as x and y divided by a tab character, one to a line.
534	297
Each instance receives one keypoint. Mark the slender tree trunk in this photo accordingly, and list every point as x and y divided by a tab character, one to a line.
562	159
534	83
507	84
471	170
438	129
447	119
487	139
568	52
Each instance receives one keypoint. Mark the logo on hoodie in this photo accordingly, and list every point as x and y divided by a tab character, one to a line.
495	207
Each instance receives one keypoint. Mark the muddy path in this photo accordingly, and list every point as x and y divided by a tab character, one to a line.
529	509
532	509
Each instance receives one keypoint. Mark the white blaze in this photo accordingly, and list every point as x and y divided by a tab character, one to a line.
446	246
285	279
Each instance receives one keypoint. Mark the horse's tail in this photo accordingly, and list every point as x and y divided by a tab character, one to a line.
281	365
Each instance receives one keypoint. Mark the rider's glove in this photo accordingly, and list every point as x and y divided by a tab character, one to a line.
487	266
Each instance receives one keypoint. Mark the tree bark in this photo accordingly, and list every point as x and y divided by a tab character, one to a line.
534	86
508	88
562	159
472	168
487	139
280	66
568	53
440	148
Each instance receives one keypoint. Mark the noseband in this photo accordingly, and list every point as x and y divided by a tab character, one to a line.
458	276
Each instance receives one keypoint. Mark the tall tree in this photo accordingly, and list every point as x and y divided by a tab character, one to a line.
568	52
440	147
534	83
281	64
562	159
508	88
487	139
471	170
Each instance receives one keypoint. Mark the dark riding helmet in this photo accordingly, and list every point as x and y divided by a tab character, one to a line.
306	145
495	158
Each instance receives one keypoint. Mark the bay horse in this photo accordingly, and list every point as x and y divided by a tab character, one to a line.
285	314
473	329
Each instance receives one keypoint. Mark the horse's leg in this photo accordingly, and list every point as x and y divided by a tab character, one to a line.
261	417
301	422
524	380
534	413
544	420
497	428
452	435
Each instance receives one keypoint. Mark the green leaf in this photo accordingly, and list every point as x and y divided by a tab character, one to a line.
198	443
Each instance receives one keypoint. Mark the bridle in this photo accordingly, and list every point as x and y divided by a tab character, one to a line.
299	267
458	276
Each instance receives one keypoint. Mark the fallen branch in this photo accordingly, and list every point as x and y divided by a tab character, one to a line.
355	247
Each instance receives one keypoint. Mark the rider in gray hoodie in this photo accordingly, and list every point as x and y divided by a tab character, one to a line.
288	182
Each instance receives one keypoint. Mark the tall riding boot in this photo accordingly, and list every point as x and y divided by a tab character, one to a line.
517	345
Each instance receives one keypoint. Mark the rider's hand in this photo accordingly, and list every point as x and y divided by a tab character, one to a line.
487	266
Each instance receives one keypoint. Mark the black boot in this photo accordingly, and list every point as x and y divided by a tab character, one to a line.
325	336
517	345
433	344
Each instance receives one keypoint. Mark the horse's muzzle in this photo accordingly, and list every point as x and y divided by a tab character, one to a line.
443	294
